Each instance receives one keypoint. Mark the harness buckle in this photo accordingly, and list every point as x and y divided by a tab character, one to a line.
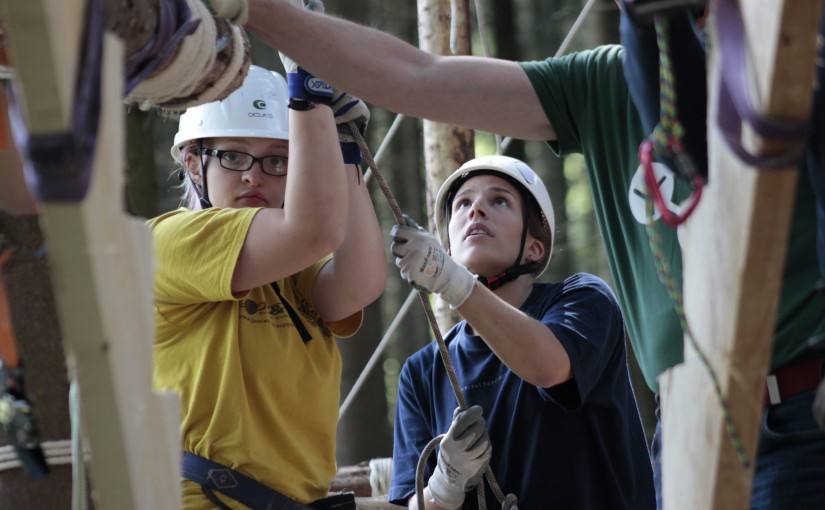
773	390
222	478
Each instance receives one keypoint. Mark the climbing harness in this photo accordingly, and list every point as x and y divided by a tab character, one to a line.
212	476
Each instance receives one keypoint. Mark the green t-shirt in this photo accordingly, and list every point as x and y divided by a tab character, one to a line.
586	99
254	396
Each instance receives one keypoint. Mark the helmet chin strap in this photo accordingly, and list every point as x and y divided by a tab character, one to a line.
203	195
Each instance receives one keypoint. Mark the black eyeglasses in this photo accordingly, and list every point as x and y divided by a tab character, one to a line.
241	162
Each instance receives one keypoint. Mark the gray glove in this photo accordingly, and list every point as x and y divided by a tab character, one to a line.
424	263
463	458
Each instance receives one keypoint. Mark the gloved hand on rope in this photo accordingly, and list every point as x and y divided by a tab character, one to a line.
305	90
463	458
425	264
348	108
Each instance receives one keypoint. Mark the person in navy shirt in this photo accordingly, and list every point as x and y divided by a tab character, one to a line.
542	365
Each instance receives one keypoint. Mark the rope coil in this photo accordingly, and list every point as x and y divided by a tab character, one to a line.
209	62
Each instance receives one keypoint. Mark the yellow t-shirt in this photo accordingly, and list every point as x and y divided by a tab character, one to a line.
254	396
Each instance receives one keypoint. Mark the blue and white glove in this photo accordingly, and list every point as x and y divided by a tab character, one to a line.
305	90
463	458
425	264
345	107
348	108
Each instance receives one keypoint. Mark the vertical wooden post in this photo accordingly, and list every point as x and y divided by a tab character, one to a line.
446	147
101	270
734	250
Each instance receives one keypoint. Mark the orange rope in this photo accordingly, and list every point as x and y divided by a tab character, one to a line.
8	346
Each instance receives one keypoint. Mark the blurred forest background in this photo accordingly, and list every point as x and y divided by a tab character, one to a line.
516	30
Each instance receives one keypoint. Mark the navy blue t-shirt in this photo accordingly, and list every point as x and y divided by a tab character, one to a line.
578	445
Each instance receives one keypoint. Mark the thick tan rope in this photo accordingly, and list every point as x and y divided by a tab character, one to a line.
208	65
510	500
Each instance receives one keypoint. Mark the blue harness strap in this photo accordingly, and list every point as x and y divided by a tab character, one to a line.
213	476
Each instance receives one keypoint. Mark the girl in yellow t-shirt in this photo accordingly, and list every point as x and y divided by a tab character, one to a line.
276	250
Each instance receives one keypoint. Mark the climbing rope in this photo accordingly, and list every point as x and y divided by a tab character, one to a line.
663	270
510	499
666	140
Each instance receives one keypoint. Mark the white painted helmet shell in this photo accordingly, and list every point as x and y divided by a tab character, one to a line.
511	167
257	109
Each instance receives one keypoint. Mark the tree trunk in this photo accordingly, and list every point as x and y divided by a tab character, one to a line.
445	147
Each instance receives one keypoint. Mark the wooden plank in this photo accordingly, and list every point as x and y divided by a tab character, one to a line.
375	504
44	37
101	270
734	250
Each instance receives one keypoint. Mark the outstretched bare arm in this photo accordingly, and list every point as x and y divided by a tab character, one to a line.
480	93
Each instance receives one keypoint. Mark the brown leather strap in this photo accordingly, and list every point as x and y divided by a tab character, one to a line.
793	379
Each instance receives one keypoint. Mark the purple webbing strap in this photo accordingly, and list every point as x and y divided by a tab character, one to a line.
61	163
174	23
734	102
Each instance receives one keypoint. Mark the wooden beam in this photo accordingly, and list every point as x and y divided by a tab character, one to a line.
734	251
101	266
44	38
100	262
446	147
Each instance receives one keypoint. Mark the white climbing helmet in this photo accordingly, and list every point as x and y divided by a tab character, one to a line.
257	109
516	170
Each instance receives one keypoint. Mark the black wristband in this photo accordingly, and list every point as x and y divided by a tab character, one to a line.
300	105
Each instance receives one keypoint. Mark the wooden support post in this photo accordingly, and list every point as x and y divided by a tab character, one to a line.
734	250
446	147
101	269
